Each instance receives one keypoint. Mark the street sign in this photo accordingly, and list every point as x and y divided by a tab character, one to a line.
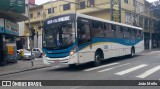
17	6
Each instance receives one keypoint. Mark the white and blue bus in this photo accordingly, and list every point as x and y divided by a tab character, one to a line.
77	38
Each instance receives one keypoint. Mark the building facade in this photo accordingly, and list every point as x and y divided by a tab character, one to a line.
9	31
23	39
132	12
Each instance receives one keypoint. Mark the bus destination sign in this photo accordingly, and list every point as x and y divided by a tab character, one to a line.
60	19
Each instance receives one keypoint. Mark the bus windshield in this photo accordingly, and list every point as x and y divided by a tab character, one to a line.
59	35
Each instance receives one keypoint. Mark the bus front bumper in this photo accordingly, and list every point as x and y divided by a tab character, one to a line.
66	60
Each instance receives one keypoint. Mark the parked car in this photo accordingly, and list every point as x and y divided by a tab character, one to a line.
37	52
27	55
24	54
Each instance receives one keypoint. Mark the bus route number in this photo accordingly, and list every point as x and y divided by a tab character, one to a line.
106	47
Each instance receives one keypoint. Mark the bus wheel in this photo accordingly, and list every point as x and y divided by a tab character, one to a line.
132	53
98	59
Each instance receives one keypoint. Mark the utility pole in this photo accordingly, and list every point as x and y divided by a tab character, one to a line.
29	26
150	33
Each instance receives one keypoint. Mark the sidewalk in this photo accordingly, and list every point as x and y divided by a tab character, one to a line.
21	65
146	51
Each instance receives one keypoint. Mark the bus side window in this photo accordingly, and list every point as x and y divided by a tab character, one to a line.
109	30
142	35
106	29
118	32
139	34
83	31
97	29
126	32
133	35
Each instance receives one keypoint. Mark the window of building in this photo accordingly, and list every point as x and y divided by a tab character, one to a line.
126	1
38	13
141	21
134	3
97	29
135	20
128	18
141	7
50	10
146	23
31	15
92	3
82	5
66	7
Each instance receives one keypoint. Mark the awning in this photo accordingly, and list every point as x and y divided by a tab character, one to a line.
17	17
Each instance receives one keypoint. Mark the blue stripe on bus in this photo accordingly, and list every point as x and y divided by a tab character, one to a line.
127	42
122	41
58	55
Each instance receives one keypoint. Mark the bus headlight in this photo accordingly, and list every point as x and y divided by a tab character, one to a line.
73	51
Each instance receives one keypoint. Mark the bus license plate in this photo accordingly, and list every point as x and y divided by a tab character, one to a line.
56	61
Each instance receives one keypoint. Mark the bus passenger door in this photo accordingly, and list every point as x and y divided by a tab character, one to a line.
84	40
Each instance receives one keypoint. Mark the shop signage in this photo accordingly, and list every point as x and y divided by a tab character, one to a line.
116	10
11	28
17	6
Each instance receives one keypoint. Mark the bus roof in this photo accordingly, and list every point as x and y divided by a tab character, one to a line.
107	21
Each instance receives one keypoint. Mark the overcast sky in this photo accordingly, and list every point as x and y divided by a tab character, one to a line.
43	1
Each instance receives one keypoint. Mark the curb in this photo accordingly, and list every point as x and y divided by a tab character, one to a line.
24	70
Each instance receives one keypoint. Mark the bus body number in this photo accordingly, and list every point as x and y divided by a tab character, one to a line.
105	46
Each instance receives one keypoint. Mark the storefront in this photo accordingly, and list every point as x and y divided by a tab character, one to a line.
9	31
155	40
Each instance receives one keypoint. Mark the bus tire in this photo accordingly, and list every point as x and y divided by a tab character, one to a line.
97	59
132	52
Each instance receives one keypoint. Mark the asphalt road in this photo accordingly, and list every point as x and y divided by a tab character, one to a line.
145	66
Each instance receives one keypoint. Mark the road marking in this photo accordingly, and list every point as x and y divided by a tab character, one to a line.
131	69
76	87
113	67
149	72
101	67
